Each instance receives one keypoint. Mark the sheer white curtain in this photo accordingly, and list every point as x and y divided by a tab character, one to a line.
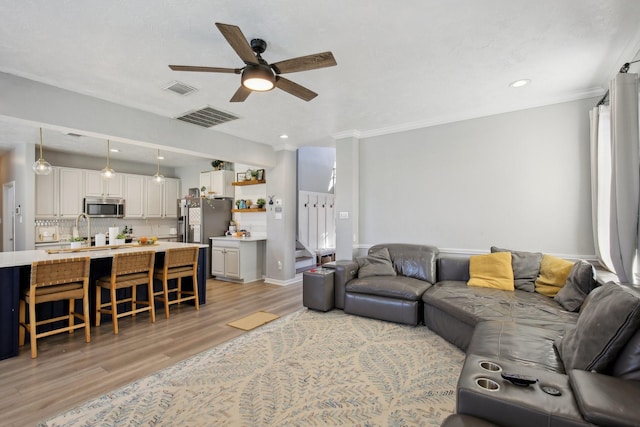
615	172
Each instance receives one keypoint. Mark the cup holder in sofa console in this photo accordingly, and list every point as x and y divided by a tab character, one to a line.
490	366
487	384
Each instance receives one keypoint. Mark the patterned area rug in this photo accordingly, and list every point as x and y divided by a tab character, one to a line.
306	369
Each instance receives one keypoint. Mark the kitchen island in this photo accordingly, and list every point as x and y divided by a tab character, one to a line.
15	273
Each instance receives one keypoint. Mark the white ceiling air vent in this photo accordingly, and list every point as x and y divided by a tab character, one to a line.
180	88
207	117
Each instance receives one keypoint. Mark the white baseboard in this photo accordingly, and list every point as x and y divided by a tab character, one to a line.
288	282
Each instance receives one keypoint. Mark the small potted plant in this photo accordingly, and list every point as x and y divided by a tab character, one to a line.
120	239
77	242
254	175
217	164
261	203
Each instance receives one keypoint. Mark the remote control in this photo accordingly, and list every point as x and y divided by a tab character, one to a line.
519	379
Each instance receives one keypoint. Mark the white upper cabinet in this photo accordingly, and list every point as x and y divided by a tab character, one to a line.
47	195
134	196
162	199
219	182
71	192
96	186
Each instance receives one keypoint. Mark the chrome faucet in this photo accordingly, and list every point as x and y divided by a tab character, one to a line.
88	225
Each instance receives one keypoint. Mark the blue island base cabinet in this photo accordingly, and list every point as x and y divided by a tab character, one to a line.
13	279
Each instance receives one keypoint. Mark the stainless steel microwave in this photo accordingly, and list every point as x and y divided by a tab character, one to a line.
104	207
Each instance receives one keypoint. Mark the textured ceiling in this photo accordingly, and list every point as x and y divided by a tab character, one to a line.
401	65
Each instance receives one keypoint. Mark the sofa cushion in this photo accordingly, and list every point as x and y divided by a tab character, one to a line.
605	400
554	272
472	305
609	317
526	267
417	261
627	364
526	344
377	263
491	271
581	281
399	287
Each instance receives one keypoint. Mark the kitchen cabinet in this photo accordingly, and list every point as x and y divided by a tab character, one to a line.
59	194
97	186
134	196
47	195
71	191
237	259
220	182
225	262
162	198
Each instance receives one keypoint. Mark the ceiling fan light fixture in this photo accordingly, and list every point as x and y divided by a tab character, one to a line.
258	78
41	166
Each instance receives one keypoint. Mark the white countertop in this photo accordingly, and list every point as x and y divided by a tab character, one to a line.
18	258
238	239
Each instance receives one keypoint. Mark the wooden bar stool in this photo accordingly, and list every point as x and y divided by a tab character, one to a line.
178	263
56	280
129	269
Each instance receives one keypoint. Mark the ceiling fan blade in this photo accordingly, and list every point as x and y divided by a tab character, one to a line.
304	63
295	89
238	42
241	94
205	69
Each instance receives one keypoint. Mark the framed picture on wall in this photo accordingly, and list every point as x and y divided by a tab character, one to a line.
261	174
240	176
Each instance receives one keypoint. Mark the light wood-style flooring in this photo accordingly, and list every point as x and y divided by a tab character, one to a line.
69	371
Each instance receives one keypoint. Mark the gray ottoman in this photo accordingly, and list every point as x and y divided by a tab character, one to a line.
317	289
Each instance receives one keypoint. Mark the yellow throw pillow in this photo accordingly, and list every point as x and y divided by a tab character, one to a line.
491	271
554	272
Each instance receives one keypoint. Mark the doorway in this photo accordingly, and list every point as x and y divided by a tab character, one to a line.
8	217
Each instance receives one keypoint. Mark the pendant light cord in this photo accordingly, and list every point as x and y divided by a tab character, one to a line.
40	143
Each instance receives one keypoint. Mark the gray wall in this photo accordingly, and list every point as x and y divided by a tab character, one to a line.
315	166
518	180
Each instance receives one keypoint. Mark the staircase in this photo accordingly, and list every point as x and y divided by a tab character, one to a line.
304	259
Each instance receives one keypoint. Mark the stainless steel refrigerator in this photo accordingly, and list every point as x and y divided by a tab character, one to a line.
199	219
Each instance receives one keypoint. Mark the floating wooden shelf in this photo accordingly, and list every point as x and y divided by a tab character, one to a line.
250	210
254	182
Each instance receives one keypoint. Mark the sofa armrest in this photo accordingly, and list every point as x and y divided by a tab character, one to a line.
606	400
345	271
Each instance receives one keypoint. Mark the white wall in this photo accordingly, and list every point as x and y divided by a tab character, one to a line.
518	180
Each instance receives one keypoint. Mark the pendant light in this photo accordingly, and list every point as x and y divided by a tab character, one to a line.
107	172
41	166
157	178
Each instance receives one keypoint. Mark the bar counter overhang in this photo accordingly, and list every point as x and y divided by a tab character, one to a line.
15	273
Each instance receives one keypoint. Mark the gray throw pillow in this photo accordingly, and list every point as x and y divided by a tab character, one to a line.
581	281
377	263
526	267
609	316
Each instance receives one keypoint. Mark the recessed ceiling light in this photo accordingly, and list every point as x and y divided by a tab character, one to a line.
160	157
284	136
114	150
520	83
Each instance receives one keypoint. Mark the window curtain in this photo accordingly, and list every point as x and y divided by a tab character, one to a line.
615	172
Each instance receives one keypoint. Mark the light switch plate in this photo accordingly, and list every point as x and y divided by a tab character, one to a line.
344	215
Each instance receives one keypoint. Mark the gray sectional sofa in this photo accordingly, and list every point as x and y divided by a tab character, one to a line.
581	349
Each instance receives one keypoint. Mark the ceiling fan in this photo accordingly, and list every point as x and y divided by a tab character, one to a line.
257	74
